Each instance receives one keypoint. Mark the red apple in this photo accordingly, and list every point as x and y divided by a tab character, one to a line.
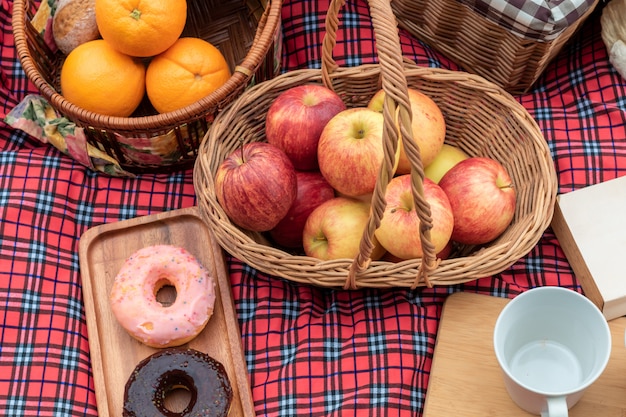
295	121
448	157
398	232
313	190
427	123
350	151
256	185
482	197
335	228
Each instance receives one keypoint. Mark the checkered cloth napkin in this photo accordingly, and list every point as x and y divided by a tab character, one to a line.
309	351
541	20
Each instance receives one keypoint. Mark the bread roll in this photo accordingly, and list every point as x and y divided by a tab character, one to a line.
74	23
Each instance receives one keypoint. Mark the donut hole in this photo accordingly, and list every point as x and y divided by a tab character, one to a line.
177	400
165	292
176	395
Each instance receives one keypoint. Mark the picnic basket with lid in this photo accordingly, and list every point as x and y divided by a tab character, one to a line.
481	119
247	32
507	42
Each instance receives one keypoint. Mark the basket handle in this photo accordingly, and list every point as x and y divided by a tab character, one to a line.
396	105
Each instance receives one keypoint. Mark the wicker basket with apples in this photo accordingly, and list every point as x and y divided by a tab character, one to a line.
245	188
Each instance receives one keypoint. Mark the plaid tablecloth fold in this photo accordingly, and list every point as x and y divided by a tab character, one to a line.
310	351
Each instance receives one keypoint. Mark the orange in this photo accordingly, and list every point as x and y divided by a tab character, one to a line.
188	71
141	28
99	78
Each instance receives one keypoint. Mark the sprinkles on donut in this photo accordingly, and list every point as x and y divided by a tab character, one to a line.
134	303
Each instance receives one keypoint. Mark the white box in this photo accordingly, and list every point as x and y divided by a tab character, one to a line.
590	224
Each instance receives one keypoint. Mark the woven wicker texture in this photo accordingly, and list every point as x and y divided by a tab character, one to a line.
479	45
482	119
246	32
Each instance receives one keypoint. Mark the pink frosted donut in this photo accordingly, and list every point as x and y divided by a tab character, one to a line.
135	305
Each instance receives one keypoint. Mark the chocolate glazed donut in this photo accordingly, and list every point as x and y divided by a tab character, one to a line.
159	374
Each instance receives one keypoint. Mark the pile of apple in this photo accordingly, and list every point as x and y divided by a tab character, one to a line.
309	186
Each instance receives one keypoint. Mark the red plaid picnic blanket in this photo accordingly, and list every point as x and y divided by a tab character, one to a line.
309	351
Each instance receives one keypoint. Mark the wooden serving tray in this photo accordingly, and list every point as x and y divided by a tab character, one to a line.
465	379
114	353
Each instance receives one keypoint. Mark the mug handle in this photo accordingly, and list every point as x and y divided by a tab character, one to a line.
556	407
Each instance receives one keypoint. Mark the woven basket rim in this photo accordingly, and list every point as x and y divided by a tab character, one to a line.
380	274
264	38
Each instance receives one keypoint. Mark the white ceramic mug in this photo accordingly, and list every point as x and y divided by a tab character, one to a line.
551	343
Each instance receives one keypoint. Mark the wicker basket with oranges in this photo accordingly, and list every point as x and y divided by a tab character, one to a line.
147	139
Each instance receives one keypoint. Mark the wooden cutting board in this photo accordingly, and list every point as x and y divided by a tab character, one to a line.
465	378
114	353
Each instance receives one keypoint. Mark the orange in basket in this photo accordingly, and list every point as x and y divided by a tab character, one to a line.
99	78
188	71
141	28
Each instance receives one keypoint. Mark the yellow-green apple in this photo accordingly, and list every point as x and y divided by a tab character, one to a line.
427	124
446	251
482	197
399	229
442	254
448	157
350	151
295	120
334	230
313	190
255	185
